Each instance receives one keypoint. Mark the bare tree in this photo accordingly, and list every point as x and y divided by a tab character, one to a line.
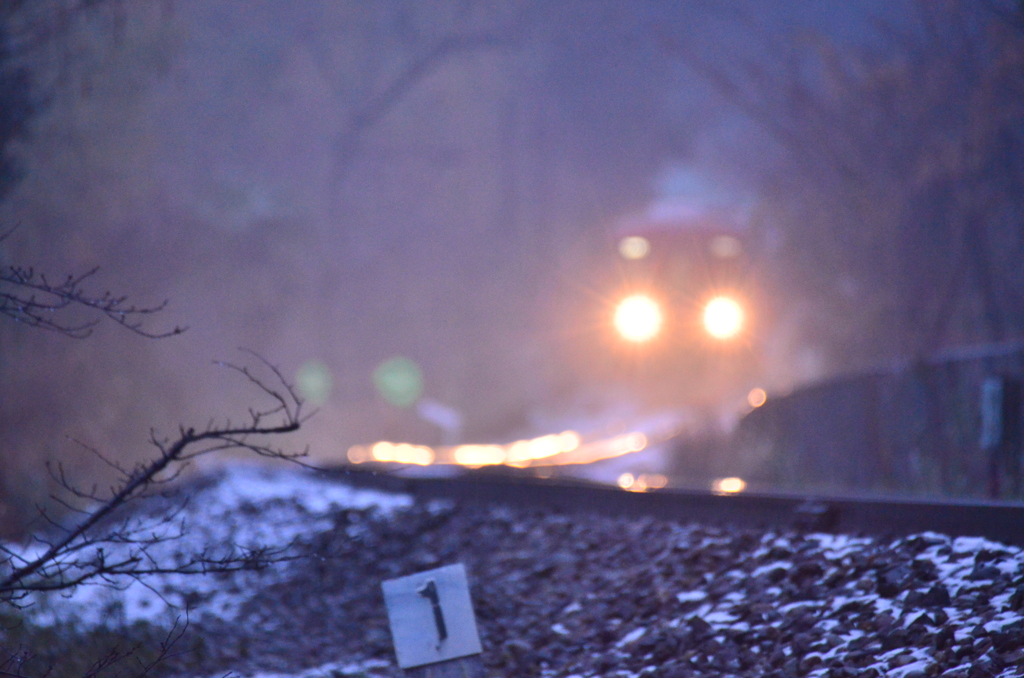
28	296
901	195
111	536
110	541
437	35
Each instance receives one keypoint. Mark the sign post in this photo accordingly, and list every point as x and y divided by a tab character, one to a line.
1001	435
432	624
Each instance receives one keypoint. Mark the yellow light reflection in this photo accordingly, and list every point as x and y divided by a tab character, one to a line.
723	318
653	481
479	455
634	247
642	482
568	441
519	454
357	454
522	452
634	442
554	449
728	486
638	318
757	397
545	446
402	453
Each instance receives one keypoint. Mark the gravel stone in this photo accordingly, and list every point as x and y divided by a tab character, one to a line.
585	595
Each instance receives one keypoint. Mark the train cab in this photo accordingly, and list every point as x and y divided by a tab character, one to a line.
683	303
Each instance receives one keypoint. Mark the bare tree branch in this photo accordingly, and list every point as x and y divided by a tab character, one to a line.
29	297
380	105
101	547
392	92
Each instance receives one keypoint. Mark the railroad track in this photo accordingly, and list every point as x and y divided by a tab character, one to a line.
998	521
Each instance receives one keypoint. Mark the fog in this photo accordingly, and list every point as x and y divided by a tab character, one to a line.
336	184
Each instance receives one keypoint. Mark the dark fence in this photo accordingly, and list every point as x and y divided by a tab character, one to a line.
950	426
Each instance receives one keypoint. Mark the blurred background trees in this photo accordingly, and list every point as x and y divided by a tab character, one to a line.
330	184
334	184
898	201
53	388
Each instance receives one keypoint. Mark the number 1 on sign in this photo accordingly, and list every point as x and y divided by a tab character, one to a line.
441	595
429	591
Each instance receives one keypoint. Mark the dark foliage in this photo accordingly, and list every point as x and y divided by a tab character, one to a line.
15	106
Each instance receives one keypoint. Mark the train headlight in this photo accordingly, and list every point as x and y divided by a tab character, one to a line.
723	318
638	318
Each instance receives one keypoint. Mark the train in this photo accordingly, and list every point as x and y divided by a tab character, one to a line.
682	303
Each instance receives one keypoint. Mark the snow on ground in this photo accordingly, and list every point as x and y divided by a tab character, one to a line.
237	505
575	595
961	574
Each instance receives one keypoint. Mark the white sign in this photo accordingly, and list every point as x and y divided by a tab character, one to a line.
431	616
991	413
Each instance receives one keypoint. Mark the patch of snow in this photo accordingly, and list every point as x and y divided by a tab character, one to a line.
631	637
774	565
975	544
691	596
246	507
836	546
719	618
918	665
572	607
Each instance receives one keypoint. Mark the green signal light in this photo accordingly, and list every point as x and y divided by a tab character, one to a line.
399	381
314	382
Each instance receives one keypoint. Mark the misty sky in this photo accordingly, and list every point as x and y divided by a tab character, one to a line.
232	157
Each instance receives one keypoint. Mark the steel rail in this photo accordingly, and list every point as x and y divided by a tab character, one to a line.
998	521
